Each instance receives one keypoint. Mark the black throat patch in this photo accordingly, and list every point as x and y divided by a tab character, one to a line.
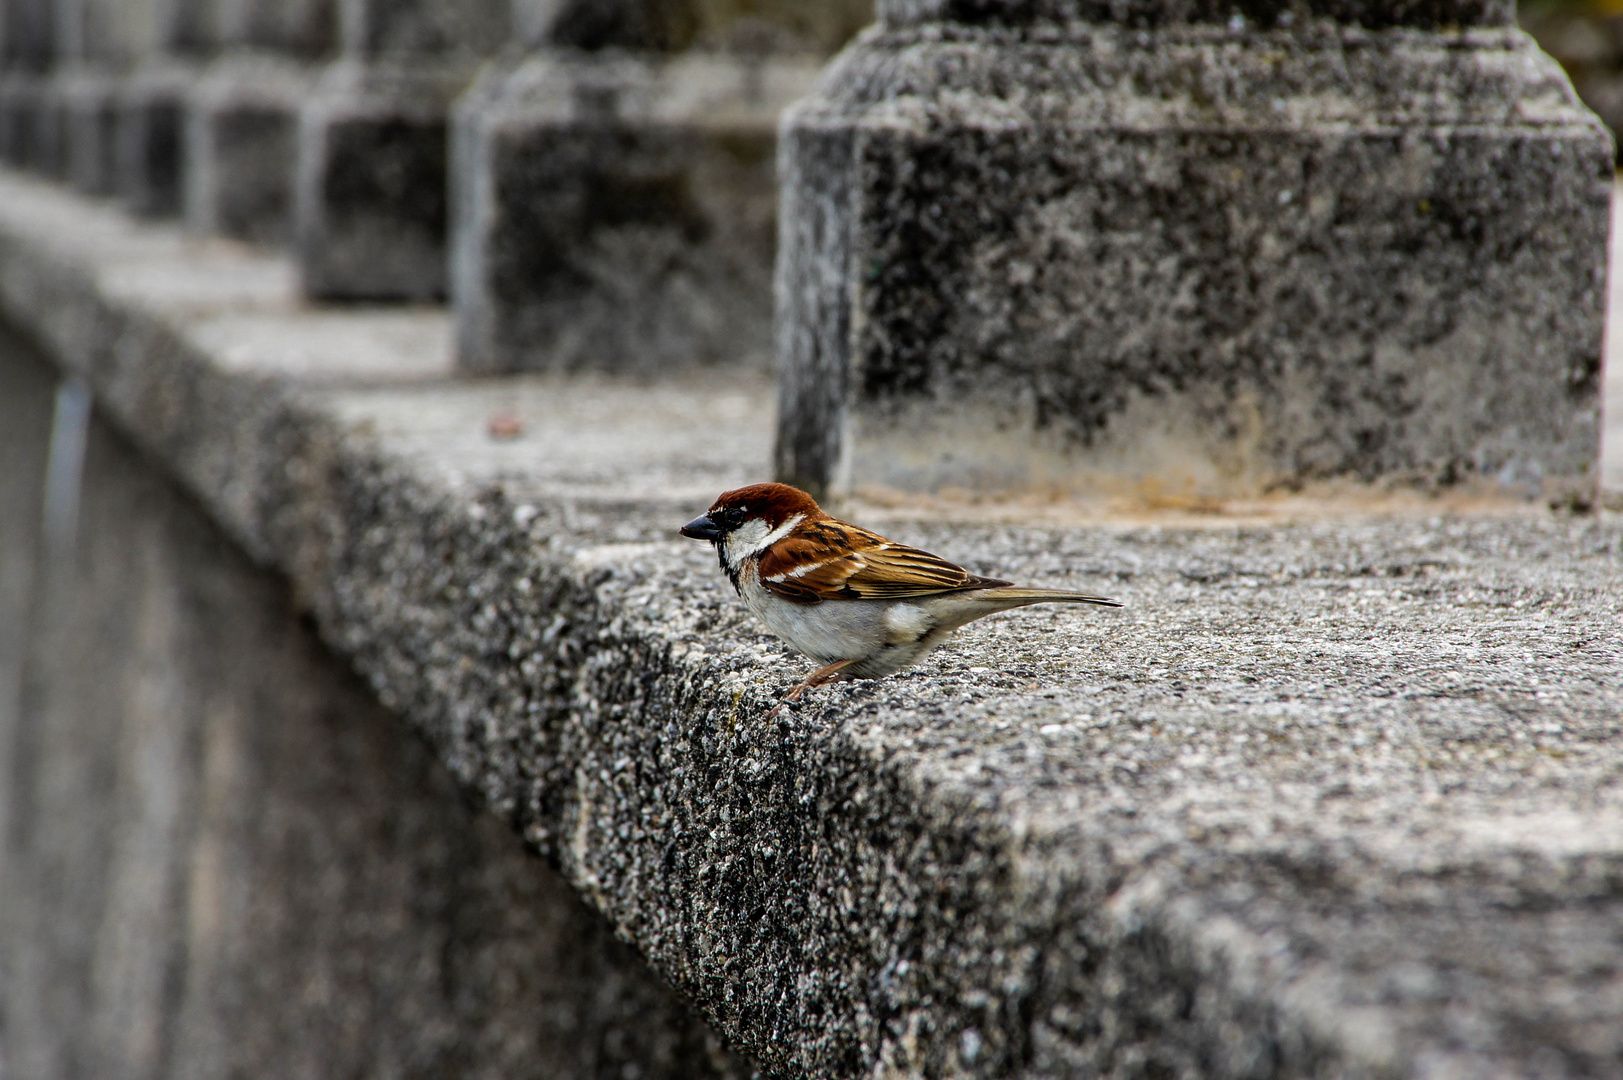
721	557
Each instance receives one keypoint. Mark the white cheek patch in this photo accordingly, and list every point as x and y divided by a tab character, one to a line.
753	537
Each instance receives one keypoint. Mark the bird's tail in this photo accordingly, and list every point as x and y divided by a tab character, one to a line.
1017	597
955	609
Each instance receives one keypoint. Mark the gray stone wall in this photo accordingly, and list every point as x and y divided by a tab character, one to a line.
221	855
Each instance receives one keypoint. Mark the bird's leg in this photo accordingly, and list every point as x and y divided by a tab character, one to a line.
826	673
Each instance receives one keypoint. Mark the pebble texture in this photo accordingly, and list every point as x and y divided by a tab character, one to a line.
1146	14
1021	250
1331	798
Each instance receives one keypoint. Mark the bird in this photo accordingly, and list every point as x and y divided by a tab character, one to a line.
860	605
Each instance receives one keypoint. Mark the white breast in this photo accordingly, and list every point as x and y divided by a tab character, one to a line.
883	635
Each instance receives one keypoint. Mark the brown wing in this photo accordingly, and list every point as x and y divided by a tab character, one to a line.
831	560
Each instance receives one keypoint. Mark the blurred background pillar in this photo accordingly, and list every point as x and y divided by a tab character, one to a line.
149	158
242	115
96	43
614	194
1222	249
29	42
371	186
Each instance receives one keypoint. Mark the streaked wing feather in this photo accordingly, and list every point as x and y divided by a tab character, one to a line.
847	563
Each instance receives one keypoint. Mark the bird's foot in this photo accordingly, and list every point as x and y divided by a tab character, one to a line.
824	674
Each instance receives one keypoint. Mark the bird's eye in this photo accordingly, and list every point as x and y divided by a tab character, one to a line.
729	518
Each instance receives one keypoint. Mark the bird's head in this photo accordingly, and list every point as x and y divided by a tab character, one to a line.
748	520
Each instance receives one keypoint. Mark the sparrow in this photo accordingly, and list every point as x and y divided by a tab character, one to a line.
858	604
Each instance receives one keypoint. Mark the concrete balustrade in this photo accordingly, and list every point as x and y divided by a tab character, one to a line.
30	132
471	767
149	151
1335	794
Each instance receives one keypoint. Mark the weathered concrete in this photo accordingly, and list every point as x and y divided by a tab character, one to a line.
371	191
96	44
27	34
299	29
1611	463
25	394
614	195
166	51
28	46
1220	255
29	137
1584	44
226	859
1336	796
372	186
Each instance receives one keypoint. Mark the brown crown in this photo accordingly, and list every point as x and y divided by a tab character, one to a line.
772	503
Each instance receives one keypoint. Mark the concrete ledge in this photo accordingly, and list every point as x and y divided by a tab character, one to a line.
1330	797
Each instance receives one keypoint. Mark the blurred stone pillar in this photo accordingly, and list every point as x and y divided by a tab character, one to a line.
149	157
242	116
29	51
615	194
96	42
1039	244
371	194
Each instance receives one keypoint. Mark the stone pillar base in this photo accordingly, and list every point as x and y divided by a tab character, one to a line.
90	123
1202	258
151	139
371	187
19	112
241	141
31	123
617	213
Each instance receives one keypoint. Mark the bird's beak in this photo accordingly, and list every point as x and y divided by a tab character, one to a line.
701	528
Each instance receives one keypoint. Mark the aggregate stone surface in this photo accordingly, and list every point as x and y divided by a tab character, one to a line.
1330	796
